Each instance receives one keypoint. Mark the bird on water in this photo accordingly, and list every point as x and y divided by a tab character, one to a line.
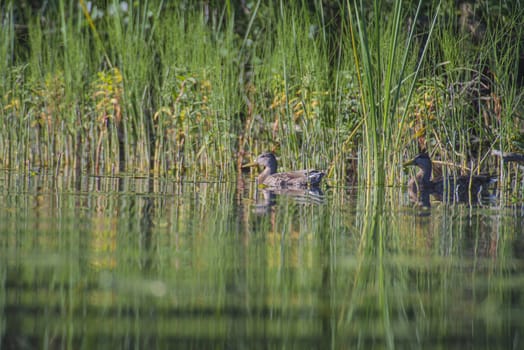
269	177
460	188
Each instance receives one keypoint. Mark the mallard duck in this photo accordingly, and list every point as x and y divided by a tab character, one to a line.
461	188
509	156
291	179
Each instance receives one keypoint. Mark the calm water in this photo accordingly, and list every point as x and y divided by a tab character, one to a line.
133	263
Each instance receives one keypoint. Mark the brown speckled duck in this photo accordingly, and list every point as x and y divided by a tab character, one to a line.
291	179
460	189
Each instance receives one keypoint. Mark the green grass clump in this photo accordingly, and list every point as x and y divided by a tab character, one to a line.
192	90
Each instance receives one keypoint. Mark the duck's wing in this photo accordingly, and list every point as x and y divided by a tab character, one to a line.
298	178
313	176
462	188
475	181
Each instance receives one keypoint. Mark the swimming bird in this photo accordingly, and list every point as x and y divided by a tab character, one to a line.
307	178
509	156
460	189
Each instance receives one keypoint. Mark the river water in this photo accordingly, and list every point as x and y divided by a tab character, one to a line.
120	262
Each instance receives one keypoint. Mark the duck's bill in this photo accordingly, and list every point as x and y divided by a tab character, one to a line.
408	163
249	165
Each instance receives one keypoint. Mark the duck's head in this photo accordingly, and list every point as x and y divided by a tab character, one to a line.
422	160
267	160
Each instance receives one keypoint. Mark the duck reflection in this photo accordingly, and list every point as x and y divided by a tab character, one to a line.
266	198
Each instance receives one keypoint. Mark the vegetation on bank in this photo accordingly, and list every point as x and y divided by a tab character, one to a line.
193	89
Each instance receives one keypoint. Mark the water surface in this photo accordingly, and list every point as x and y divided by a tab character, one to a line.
151	263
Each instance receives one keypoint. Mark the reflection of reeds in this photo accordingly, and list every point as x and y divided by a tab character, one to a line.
192	262
415	273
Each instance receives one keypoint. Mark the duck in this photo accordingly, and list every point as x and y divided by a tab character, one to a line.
509	156
459	189
269	177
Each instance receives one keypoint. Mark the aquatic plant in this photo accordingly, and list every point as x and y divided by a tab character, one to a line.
191	90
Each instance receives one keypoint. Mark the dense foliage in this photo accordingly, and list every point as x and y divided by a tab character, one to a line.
195	88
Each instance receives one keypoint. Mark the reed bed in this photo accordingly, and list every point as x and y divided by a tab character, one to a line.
191	90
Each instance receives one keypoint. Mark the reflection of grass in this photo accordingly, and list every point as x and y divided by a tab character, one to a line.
185	91
196	260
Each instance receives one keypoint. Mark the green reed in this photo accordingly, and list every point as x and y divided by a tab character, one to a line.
469	102
387	78
292	90
192	91
504	107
